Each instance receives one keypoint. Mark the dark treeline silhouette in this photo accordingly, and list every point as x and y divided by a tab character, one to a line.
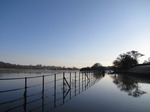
95	67
99	74
39	66
127	60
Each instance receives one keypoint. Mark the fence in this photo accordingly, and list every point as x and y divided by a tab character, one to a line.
55	90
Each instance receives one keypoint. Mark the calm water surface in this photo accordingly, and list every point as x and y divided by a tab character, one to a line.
75	93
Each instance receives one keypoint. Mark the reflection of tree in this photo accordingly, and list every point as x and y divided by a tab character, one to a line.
99	74
128	85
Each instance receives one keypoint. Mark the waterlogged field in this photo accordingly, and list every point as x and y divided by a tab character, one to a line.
73	92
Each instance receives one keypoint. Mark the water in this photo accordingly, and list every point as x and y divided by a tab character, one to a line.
83	93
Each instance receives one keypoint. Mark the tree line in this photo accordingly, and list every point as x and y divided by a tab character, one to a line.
39	66
123	62
128	60
96	66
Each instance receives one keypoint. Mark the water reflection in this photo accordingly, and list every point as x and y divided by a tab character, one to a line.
50	92
128	85
99	74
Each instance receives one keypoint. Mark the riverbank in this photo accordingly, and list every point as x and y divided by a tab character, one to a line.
142	71
139	71
145	69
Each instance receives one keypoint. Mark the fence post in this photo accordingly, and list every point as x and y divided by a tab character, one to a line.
85	80
70	85
43	93
54	90
79	82
82	82
25	91
63	87
75	83
25	95
43	84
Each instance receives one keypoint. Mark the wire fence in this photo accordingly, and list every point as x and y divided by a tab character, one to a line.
50	92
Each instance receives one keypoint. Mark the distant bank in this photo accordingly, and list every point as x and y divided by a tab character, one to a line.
14	67
9	70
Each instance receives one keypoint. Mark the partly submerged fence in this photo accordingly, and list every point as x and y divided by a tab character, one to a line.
50	92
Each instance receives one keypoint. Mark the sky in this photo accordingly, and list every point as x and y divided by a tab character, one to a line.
73	32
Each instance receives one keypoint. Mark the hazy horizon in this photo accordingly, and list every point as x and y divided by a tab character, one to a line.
75	33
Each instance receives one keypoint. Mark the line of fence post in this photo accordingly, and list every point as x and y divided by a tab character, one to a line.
74	89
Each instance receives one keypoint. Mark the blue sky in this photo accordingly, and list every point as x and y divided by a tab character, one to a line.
73	32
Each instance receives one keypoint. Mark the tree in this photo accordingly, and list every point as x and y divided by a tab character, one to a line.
135	54
97	65
127	60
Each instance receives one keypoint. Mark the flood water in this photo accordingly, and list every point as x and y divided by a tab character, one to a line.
73	92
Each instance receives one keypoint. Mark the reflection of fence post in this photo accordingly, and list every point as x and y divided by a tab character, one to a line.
70	85
54	90
75	83
25	95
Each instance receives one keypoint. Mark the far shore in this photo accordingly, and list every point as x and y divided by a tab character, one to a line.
13	70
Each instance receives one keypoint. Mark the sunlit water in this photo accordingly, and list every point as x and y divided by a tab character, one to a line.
87	93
